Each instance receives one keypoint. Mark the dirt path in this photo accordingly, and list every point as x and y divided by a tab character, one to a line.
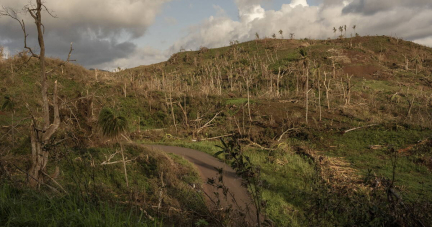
206	165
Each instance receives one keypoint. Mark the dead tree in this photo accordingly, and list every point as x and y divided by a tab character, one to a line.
40	131
346	89
327	87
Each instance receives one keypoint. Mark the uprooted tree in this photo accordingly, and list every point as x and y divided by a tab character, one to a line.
41	130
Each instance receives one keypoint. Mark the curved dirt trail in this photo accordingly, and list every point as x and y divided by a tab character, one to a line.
206	165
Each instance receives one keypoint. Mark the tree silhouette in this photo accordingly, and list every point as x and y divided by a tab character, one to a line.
341	31
354	27
113	126
274	36
292	35
334	30
281	33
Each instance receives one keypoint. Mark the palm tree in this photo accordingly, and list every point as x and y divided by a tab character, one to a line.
256	35
345	29
354	27
274	36
341	30
281	33
334	30
113	126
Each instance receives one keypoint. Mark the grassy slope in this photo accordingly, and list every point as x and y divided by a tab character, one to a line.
381	91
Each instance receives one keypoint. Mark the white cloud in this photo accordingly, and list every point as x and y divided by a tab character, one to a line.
250	13
425	41
140	56
101	30
295	3
411	22
6	52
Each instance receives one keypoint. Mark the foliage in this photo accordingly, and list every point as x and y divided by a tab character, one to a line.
111	125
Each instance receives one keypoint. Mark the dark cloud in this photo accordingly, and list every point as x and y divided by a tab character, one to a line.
101	30
370	7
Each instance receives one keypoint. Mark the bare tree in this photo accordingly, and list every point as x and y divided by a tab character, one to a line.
305	61
41	131
327	87
292	35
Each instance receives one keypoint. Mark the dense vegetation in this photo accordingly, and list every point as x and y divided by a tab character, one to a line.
340	130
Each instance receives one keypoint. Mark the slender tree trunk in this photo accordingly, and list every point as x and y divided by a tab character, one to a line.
334	68
124	165
172	111
307	93
327	87
277	83
12	129
248	100
319	94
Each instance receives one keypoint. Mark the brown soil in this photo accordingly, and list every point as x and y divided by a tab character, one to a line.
206	165
365	71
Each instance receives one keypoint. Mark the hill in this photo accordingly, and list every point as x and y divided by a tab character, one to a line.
329	122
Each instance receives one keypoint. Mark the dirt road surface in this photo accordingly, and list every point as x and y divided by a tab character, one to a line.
206	166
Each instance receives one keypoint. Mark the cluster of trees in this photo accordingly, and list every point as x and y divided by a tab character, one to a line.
343	28
291	35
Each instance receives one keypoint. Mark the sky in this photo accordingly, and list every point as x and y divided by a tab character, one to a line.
107	34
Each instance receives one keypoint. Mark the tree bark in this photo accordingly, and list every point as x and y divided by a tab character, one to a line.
40	136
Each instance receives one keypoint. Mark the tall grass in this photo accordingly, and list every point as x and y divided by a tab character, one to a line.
23	207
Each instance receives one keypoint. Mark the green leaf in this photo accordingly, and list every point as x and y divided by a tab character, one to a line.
218	153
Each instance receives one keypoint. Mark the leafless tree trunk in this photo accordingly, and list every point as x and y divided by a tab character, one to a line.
124	165
406	62
307	91
319	94
347	89
334	68
40	132
248	99
327	87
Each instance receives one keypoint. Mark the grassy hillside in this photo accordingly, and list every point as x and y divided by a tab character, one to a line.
333	124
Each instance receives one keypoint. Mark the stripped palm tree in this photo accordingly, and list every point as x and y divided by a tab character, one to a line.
113	126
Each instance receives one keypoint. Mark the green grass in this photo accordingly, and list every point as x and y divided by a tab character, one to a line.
285	186
410	176
238	101
98	195
23	207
